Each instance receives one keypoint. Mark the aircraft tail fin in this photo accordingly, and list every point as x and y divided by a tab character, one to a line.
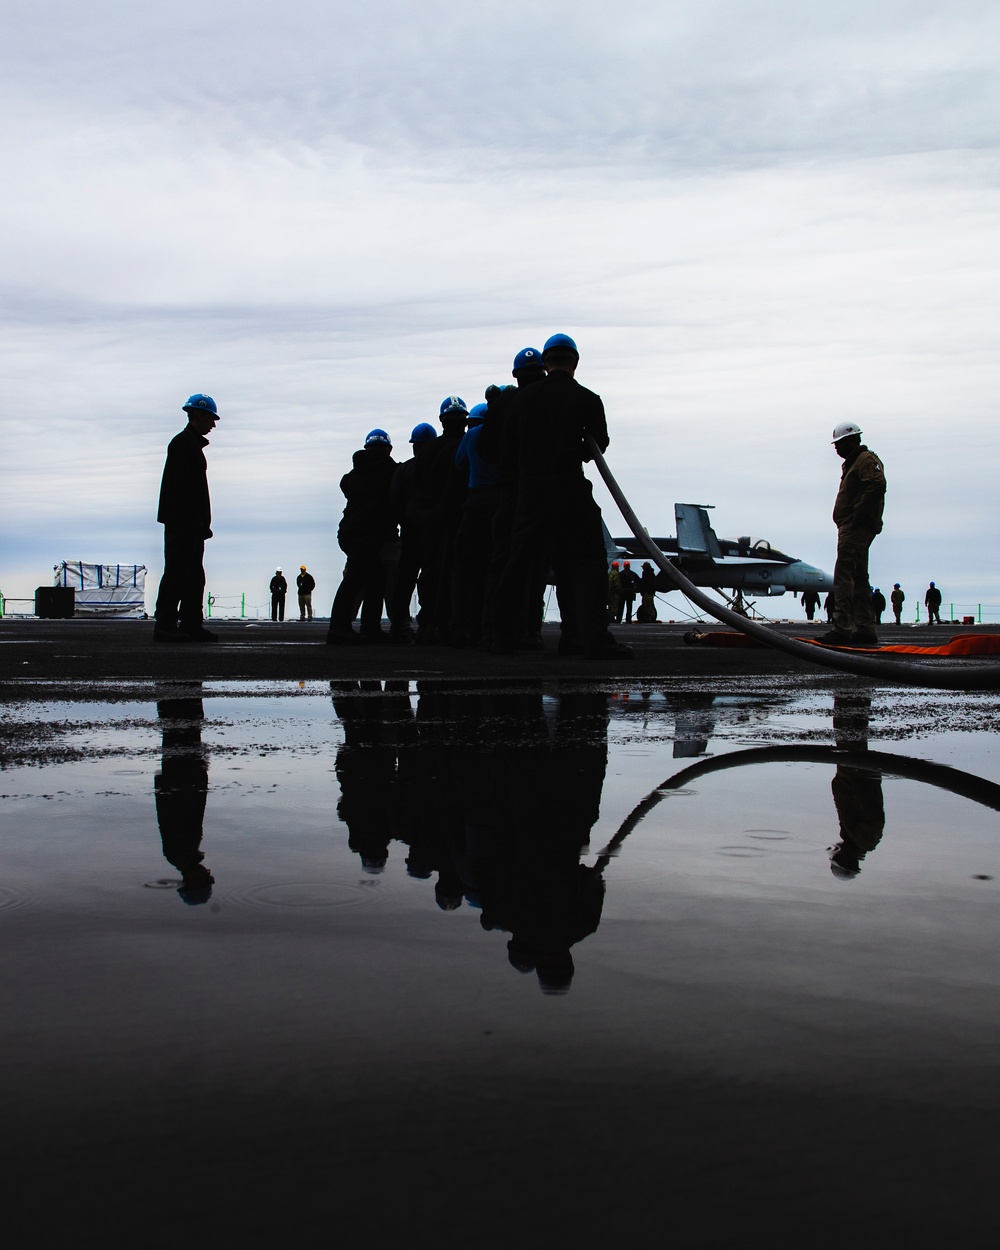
610	546
694	534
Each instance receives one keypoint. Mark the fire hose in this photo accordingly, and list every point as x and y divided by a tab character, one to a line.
887	763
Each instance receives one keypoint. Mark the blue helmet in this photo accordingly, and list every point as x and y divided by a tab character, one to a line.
478	412
528	358
560	341
204	402
423	433
452	406
378	438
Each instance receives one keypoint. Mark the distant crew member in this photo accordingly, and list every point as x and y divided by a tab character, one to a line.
305	584
857	515
896	599
932	601
278	589
630	588
810	602
878	605
616	601
646	614
185	512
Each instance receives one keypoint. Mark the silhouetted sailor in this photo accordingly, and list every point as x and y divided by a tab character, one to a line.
932	601
278	589
305	584
555	511
411	511
369	538
646	614
474	537
440	494
897	598
185	512
857	515
180	791
630	588
810	602
499	446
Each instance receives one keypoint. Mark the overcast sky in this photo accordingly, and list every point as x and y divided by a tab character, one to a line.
757	219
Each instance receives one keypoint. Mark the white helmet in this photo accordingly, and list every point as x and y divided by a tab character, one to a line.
845	430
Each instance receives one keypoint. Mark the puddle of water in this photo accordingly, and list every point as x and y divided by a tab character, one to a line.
772	887
348	780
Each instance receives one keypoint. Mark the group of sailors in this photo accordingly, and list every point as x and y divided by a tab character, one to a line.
474	521
624	584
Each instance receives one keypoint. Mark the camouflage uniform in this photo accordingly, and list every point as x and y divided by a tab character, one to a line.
857	515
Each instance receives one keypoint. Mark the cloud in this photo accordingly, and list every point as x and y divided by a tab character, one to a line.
757	218
512	85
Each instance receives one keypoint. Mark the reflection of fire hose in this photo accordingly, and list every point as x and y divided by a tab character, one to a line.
944	777
969	675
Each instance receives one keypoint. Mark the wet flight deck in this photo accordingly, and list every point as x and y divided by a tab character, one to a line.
508	962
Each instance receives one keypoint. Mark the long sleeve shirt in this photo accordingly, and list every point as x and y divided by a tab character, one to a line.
861	497
184	499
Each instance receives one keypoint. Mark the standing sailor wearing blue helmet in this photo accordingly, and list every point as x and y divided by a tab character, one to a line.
440	493
185	512
474	537
555	510
369	537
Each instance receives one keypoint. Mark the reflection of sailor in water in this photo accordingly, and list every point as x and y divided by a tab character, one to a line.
427	807
397	780
366	763
180	790
857	792
533	801
495	794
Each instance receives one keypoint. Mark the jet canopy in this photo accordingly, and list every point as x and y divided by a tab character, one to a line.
748	545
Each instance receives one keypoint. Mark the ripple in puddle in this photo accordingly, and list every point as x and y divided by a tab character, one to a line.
768	835
305	894
741	852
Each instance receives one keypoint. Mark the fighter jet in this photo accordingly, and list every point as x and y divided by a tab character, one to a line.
747	566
